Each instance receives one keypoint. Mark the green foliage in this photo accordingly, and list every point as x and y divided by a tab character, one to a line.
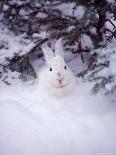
102	74
56	24
23	66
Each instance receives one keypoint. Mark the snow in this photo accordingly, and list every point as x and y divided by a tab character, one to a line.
111	1
42	34
79	12
110	53
19	3
31	122
70	9
41	15
86	41
13	45
35	123
109	25
66	8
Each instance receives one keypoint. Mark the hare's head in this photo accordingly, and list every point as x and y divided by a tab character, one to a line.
56	74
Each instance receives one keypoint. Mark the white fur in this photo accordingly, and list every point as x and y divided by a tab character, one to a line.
49	80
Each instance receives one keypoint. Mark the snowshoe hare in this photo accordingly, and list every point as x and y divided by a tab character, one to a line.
55	77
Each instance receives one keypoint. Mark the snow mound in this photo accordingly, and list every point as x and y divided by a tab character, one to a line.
33	123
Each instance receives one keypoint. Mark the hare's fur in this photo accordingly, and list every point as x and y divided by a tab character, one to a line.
55	77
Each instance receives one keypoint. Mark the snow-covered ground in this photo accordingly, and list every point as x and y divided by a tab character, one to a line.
33	123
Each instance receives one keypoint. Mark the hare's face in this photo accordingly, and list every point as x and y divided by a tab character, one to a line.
58	73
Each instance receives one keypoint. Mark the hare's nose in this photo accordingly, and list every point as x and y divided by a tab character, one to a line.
59	74
60	81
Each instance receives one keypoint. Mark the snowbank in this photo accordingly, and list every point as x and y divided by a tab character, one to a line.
34	123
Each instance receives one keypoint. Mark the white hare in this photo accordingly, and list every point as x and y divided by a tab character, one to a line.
55	77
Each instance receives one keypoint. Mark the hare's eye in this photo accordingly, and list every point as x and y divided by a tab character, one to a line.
65	67
50	69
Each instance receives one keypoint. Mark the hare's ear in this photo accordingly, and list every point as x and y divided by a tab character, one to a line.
48	53
59	47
